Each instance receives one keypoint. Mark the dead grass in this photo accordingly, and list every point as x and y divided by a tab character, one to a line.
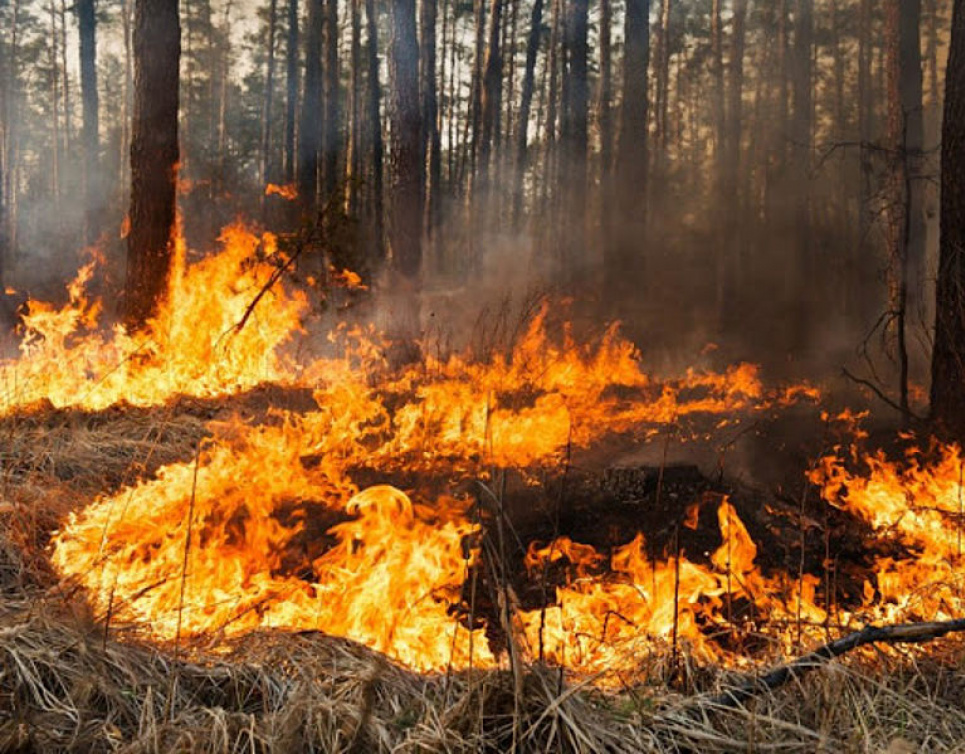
65	685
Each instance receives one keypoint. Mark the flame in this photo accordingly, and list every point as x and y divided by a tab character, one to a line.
268	527
918	506
192	347
287	191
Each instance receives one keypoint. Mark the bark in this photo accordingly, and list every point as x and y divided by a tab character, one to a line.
576	135
948	358
127	22
491	91
430	116
913	143
266	113
525	105
718	91
353	160
408	170
624	255
309	131
604	113
801	147
154	156
735	92
57	150
65	77
291	83
663	84
373	122
865	114
331	105
87	22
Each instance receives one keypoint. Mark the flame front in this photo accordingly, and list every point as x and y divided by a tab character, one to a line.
267	526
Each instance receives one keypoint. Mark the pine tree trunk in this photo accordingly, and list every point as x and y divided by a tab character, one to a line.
948	358
353	161
87	22
330	105
576	135
154	157
373	123
266	112
525	107
310	128
624	258
407	168
430	117
291	83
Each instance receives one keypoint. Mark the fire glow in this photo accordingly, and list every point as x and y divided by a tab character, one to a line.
216	546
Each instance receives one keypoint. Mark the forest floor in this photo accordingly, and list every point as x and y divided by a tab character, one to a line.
68	683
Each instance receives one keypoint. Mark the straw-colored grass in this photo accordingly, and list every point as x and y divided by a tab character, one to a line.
68	685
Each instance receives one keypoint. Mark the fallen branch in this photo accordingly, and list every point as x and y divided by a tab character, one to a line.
905	633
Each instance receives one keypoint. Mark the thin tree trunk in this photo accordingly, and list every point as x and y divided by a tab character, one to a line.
604	115
127	17
624	260
56	151
374	124
430	117
65	77
154	156
267	110
525	107
87	22
291	82
718	94
309	131
330	104
865	114
353	160
576	134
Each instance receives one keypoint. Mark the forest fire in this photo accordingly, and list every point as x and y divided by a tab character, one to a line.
269	527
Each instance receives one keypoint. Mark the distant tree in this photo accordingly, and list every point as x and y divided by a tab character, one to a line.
948	358
154	156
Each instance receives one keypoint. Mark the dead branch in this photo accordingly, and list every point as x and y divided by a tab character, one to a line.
881	396
905	633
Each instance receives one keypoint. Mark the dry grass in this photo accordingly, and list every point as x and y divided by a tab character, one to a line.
67	686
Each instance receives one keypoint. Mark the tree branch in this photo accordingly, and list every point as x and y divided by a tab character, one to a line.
905	633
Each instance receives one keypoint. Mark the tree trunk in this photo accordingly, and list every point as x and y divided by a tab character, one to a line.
576	135
266	113
604	116
57	148
330	105
625	258
154	157
87	22
663	86
913	145
373	123
801	147
865	114
718	95
291	82
310	128
525	106
353	161
430	117
948	358
408	168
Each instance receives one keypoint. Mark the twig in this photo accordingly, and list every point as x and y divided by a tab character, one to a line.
904	633
877	391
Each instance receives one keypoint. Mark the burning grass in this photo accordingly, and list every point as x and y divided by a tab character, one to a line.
165	492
